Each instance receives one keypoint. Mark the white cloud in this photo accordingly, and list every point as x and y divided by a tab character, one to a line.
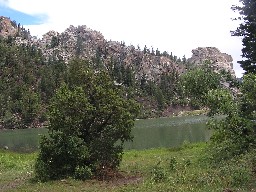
176	26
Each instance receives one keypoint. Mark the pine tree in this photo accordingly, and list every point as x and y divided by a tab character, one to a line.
247	30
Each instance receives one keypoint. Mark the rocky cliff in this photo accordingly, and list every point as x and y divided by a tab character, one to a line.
7	27
86	43
219	61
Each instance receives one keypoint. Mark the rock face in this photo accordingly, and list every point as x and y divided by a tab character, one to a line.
7	27
219	61
86	43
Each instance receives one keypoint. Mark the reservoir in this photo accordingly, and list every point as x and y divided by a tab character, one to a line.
148	133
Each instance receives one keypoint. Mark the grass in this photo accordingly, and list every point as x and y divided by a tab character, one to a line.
176	169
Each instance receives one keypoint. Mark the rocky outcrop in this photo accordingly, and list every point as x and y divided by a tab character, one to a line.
219	61
86	43
7	27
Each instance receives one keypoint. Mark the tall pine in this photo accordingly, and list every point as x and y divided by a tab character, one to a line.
247	30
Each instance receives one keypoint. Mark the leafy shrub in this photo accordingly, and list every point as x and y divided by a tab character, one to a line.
196	83
233	136
83	173
220	101
90	119
60	155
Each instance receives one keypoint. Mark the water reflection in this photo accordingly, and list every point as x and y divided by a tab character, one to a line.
22	140
168	132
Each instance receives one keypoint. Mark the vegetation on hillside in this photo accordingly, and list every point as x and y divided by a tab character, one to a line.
28	81
20	100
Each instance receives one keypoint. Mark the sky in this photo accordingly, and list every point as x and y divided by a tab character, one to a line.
176	26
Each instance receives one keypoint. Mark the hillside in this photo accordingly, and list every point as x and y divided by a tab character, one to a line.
86	43
32	69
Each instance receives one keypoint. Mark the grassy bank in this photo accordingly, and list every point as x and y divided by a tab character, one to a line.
177	169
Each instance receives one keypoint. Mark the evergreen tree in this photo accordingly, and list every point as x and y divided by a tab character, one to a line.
54	41
129	77
145	49
143	82
184	59
152	51
158	53
165	53
247	30
168	85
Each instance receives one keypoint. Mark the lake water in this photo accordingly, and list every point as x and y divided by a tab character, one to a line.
149	133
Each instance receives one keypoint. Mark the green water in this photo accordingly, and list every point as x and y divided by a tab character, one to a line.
22	140
169	132
149	133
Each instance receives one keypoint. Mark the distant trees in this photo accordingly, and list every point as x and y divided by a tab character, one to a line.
19	90
164	91
196	83
158	53
54	42
122	74
146	50
28	81
169	85
79	45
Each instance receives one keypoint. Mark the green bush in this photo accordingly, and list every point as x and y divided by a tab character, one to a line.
233	136
90	119
60	155
235	133
83	173
195	84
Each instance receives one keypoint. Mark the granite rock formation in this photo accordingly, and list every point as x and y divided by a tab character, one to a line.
7	27
219	61
86	43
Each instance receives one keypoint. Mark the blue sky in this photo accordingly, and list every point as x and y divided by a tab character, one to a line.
19	17
176	26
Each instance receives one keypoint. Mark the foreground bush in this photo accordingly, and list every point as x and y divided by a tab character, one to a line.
89	121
